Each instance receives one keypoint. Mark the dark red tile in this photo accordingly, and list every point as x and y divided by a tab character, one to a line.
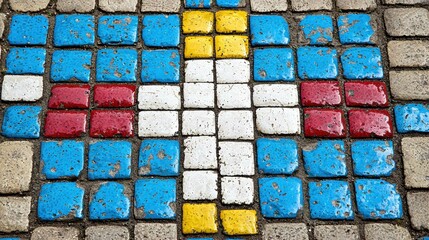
371	94
320	93
326	123
370	123
65	124
111	123
69	96
114	95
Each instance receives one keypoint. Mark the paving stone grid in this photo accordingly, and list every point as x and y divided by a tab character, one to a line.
113	128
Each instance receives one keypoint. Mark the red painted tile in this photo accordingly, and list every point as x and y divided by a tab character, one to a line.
327	123
373	94
320	93
111	123
370	123
69	96
65	124
114	95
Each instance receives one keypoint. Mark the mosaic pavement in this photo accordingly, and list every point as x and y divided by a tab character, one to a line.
231	119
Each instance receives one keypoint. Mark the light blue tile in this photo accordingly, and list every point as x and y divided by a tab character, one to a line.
317	29
109	201
277	156
269	30
355	29
412	118
160	66
159	158
74	30
118	29
373	158
26	61
362	63
28	30
62	159
161	30
155	198
230	3
71	65
116	65
274	64
21	122
198	3
325	159
317	63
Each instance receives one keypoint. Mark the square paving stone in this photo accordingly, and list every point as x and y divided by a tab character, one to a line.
230	96
366	94
25	88
161	6
376	231
199	218
160	66
197	22
200	152
55	233
281	231
74	30
237	190
418	207
281	197
310	5
111	123
200	185
16	159
199	71
107	232
416	167
357	4
278	120
275	95
199	95
362	63
330	200
326	123
65	124
60	201
357	29
26	61
161	30
198	3
155	199
321	93
269	5
325	159
231	21
159	123
231	3
28	30
21	122
70	6
158	231
317	63
239	222
236	158
335	232
109	160
378	199
373	158
116	65
14	213
370	124
118	5
160	97
232	46
235	124
277	155
232	71
316	29
118	29
69	96
64	159
269	30
109	201
274	64
159	157
412	118
114	95
71	65
199	47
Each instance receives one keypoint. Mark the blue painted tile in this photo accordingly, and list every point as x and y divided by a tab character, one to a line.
160	66
159	158
62	159
362	63
317	29
109	160
377	199
412	118
269	30
60	201
330	200
21	122
109	201
28	30
71	65
10	238
230	3
161	30
280	197
118	29
277	156
199	238
424	238
198	3
355	28
274	64
325	159
116	65
74	30
373	158
155	199
317	63
26	61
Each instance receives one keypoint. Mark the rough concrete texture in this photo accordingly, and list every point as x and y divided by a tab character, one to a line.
152	231
416	164
281	231
408	53
384	231
28	5
410	85
356	4
14	213
161	5
309	5
409	2
118	5
407	21
418	207
107	233
81	6
268	5
336	232
55	233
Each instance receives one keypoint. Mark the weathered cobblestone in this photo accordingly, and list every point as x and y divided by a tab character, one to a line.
28	5
80	6
410	85
419	208
155	231
268	5
118	5
14	213
416	165
2	22
107	233
55	233
160	5
409	2
407	22
408	53
281	231
309	5
384	231
356	4
336	232
16	161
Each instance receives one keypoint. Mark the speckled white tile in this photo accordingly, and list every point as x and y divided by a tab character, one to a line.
200	185
199	71
232	71
159	97
275	95
236	158
230	96
198	95
200	153
198	123
158	123
22	88
237	190
278	120
235	124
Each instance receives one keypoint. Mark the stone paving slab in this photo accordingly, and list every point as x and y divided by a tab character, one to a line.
214	119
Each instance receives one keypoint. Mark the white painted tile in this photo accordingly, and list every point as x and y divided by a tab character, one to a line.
159	97
230	96
236	158
200	153
158	123
275	95
22	88
198	123
198	95
200	185
278	120
235	124
237	190
232	71
199	71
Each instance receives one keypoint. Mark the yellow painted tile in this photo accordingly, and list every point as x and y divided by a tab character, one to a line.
239	222
199	47
197	22
229	21
232	46
199	218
